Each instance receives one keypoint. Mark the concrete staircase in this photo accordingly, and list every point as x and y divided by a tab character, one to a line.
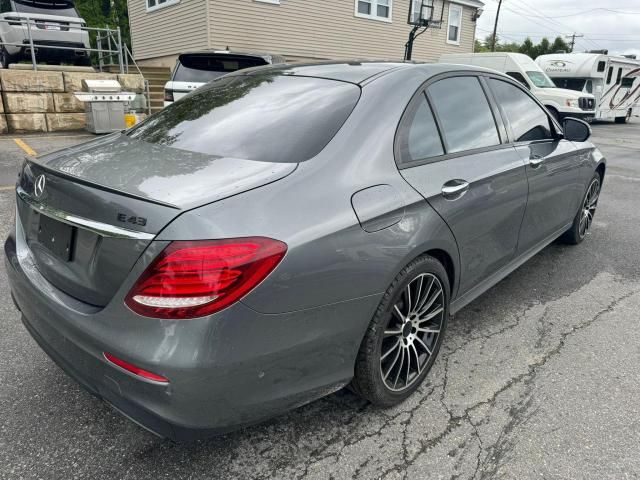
156	76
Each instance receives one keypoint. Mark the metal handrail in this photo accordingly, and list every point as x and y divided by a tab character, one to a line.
30	22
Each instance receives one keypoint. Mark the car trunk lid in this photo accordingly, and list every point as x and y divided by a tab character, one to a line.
101	204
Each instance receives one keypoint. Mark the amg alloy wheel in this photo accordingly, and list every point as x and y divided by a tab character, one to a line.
584	218
412	334
404	337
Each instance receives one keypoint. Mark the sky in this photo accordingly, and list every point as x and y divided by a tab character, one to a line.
608	24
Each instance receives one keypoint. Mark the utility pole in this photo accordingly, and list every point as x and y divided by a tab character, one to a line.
573	40
495	28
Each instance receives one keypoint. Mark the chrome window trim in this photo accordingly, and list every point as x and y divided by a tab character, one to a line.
100	228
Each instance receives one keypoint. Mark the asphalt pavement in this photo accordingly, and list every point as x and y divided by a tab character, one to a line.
538	378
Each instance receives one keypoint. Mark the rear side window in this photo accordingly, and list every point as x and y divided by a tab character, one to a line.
204	68
5	6
419	137
464	113
268	117
609	74
619	77
601	66
528	121
49	7
519	77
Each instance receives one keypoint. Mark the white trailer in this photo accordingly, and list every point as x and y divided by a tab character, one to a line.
613	80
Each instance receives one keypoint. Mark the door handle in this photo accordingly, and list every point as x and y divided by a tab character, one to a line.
535	161
454	189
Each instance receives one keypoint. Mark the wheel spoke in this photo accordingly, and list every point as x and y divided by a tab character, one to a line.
430	302
424	345
399	368
395	345
397	311
409	298
406	380
426	295
431	315
393	364
391	333
413	347
428	330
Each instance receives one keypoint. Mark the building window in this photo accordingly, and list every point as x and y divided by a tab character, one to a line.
455	22
374	9
156	4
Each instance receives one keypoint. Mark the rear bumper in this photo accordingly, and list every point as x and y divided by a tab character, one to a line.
235	368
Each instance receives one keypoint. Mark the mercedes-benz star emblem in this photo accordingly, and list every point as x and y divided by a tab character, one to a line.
38	187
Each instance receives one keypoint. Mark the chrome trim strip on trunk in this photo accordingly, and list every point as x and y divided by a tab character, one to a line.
103	229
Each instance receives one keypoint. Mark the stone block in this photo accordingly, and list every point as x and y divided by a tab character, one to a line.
67	103
26	122
30	81
1	104
28	102
73	80
131	82
59	122
3	124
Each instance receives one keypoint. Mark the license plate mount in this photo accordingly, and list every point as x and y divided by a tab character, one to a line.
57	237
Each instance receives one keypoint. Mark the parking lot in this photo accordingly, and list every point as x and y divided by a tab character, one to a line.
538	378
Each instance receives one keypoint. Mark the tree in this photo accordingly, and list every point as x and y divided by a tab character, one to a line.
101	13
559	45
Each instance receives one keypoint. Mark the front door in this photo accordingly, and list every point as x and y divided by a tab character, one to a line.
552	165
460	164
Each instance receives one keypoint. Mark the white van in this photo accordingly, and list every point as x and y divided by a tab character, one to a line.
615	81
559	101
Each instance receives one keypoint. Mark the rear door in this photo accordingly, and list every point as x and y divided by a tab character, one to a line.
553	164
451	147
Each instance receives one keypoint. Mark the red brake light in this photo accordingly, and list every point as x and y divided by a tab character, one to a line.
192	279
168	95
129	367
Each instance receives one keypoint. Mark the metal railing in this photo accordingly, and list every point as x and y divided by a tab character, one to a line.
109	46
102	33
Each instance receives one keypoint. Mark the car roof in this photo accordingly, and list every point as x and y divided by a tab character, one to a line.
356	71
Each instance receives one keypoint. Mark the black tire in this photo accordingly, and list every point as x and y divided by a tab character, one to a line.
621	119
577	233
368	382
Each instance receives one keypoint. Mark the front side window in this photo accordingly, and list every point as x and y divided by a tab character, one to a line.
540	79
156	4
267	117
419	138
464	114
374	9
455	23
528	121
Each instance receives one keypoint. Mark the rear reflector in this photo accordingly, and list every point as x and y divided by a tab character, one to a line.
197	278
140	372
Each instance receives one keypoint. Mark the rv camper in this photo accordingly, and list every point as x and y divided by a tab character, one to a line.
613	80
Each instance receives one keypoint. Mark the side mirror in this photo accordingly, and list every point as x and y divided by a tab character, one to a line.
576	130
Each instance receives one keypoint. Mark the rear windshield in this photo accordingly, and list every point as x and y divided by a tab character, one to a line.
200	68
268	117
49	7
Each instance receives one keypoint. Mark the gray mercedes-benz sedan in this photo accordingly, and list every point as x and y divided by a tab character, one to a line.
286	231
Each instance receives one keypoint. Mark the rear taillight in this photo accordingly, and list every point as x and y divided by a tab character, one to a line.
168	95
192	279
14	20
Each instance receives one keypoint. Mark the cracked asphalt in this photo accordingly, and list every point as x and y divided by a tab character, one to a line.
538	378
